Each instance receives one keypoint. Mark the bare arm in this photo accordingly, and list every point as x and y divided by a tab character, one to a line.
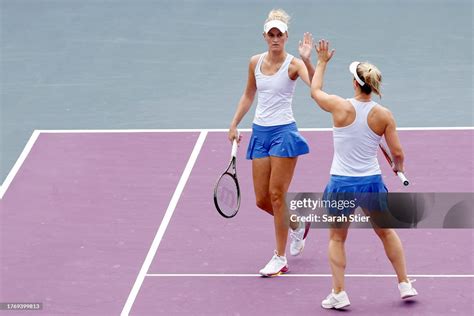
327	102
245	101
393	142
306	69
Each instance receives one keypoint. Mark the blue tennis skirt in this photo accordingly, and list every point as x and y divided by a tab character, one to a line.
276	141
368	192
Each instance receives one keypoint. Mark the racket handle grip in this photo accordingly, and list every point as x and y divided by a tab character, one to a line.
234	148
403	178
235	145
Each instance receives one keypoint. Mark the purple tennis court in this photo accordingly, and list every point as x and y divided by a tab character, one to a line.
123	222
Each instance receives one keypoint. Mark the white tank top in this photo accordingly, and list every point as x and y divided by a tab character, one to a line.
275	95
356	145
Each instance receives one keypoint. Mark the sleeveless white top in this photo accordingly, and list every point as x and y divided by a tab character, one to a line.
356	145
275	95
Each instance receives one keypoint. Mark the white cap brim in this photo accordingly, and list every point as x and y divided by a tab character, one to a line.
353	70
353	67
280	25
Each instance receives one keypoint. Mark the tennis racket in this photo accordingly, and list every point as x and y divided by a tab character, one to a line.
387	155
227	190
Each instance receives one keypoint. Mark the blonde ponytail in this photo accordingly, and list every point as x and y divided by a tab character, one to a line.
372	77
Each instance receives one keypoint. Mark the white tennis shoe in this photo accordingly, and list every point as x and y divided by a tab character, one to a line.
406	289
276	266
298	239
337	301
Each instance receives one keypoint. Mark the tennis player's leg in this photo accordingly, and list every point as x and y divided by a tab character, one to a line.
391	243
337	256
281	173
261	170
337	260
282	170
394	251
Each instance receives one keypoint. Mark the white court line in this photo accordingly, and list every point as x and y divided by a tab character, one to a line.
198	130
11	175
455	128
164	224
313	275
36	133
99	131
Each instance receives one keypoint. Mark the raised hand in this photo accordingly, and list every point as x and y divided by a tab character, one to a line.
305	46
322	49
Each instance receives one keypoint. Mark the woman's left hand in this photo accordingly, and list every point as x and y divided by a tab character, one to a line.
305	46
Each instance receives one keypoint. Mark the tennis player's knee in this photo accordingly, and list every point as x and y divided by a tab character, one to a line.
384	233
277	197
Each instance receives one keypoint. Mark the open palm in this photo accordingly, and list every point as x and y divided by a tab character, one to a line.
322	48
305	46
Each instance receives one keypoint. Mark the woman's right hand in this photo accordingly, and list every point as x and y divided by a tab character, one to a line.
234	134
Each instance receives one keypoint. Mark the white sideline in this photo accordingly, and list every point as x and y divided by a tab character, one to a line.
11	175
164	224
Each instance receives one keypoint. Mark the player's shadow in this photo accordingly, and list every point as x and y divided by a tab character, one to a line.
342	310
409	303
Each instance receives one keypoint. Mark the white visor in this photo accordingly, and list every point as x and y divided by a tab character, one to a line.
353	70
280	25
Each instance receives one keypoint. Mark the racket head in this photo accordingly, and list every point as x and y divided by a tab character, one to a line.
227	195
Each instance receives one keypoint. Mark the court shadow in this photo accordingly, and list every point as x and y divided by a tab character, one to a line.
342	310
409	303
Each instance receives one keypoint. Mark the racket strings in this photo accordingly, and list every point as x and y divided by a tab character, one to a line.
227	194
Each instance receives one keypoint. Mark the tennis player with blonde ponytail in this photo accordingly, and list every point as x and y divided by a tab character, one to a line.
359	123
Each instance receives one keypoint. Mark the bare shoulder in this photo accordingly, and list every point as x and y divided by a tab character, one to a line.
296	62
382	113
254	60
295	68
379	119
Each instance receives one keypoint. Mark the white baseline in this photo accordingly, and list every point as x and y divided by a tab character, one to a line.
310	275
36	133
